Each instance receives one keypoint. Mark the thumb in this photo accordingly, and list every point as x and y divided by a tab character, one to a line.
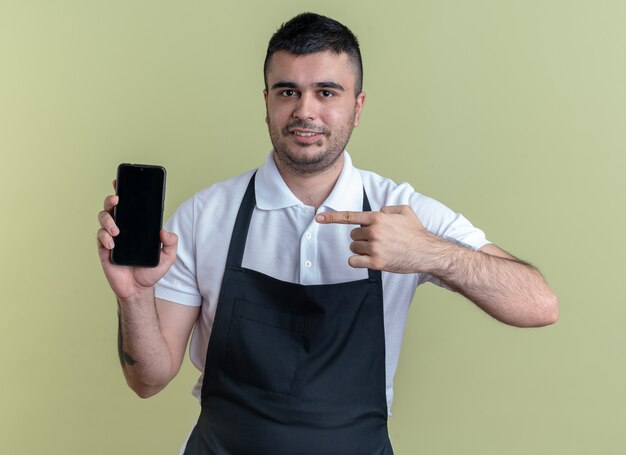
393	209
170	242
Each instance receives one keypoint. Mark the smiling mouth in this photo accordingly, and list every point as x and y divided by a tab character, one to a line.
306	137
304	133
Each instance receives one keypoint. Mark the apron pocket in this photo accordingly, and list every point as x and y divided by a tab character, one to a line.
263	346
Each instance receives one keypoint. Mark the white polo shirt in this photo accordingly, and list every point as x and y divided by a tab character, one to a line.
285	242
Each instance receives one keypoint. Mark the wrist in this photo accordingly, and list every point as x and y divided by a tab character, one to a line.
142	295
442	256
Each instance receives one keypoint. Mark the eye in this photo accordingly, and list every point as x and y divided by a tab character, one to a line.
326	94
288	93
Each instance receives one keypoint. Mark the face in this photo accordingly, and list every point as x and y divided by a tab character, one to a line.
311	109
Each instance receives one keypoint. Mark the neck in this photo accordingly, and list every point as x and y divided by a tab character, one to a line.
311	189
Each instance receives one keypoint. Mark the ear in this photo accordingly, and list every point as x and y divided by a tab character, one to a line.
265	98
360	101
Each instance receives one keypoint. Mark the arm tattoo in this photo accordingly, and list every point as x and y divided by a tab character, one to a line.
125	357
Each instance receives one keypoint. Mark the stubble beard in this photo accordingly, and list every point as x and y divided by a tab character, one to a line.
317	159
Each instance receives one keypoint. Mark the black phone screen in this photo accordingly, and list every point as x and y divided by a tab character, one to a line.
139	214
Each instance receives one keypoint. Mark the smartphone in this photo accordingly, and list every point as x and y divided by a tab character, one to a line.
139	214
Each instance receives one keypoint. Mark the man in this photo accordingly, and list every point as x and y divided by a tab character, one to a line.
298	312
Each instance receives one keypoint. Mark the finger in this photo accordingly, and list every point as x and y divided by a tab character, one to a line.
107	222
361	248
168	252
110	202
360	262
345	217
105	241
170	243
394	209
399	210
115	184
361	233
104	253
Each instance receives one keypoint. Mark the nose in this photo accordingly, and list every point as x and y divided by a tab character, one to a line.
305	107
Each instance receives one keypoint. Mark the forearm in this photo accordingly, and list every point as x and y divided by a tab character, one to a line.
508	289
394	240
146	359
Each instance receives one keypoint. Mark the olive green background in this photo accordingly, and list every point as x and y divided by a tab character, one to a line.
511	112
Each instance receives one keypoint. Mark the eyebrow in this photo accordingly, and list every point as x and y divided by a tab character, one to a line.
323	84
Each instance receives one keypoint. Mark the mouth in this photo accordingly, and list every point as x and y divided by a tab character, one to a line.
305	136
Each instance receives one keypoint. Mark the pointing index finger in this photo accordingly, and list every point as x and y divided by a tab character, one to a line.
345	217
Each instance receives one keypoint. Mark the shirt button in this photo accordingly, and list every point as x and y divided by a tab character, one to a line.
307	264
308	235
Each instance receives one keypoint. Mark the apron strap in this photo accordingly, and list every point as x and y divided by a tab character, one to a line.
242	223
373	275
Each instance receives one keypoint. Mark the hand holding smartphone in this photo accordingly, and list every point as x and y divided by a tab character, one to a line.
139	214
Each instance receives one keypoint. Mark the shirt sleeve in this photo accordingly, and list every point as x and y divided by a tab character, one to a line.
180	284
447	224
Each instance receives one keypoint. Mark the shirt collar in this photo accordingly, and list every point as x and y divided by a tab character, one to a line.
272	193
348	191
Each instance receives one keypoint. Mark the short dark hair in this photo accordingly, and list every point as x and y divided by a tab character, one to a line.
308	33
